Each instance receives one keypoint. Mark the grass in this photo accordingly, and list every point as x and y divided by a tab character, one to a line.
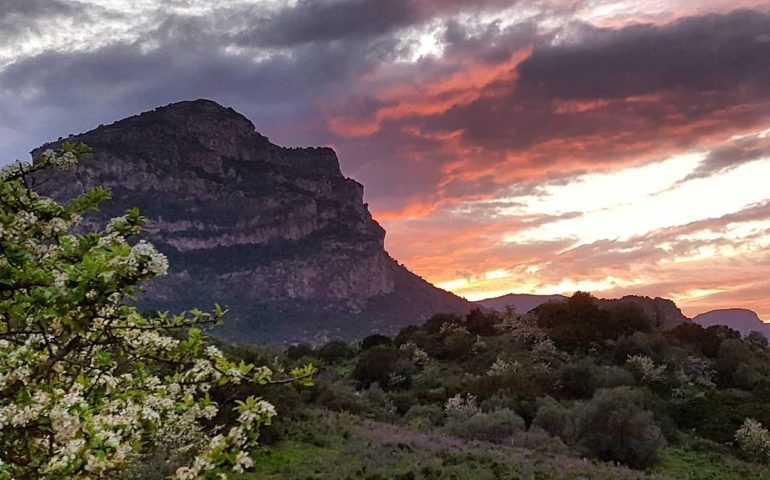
343	446
695	465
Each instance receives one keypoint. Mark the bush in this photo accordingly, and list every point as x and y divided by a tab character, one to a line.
433	415
614	427
480	323
579	322
553	418
374	340
335	351
295	352
577	381
754	441
498	402
434	323
498	426
387	366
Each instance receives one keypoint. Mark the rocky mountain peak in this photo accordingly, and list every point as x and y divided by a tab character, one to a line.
277	234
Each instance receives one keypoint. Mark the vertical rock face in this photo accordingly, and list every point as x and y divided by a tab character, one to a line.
277	234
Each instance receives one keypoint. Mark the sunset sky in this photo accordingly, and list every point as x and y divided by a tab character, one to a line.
534	146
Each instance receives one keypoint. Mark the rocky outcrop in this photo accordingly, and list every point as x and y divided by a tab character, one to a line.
278	235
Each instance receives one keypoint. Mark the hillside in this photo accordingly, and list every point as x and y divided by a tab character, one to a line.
278	235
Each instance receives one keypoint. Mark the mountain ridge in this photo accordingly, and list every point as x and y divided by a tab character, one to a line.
743	320
277	234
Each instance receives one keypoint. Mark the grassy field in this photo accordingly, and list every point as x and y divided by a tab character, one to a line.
343	446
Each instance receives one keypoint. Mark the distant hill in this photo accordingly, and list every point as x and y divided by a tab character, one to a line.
278	235
740	319
662	312
520	302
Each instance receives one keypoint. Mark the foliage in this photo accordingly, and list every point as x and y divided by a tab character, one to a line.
645	369
497	426
335	351
613	426
754	440
580	323
374	340
88	385
387	366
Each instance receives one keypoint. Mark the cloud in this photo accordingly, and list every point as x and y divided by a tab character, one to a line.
459	117
742	150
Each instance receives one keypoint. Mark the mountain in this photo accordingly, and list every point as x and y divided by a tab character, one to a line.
278	235
662	312
740	319
520	302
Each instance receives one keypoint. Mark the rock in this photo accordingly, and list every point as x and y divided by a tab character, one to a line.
278	235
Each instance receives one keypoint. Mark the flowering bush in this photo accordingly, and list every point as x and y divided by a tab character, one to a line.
87	383
460	405
754	440
645	369
503	367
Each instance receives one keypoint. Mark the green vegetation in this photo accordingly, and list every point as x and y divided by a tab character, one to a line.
90	387
569	390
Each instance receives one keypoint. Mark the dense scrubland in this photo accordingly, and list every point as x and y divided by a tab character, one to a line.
569	390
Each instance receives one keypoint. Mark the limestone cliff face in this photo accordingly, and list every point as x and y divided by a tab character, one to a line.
277	234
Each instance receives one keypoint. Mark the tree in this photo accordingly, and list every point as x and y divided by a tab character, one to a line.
614	427
88	384
387	366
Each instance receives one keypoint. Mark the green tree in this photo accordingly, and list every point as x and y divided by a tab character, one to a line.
88	385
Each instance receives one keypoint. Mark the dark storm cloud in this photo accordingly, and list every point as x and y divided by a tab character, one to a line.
621	93
312	21
708	53
183	58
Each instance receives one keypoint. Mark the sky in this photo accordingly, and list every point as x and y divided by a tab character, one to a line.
618	147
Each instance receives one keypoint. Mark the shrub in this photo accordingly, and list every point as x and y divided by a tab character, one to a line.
295	352
335	351
374	340
555	419
498	402
433	324
461	405
645	370
497	426
432	414
611	376
577	381
754	440
481	323
387	366
614	427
